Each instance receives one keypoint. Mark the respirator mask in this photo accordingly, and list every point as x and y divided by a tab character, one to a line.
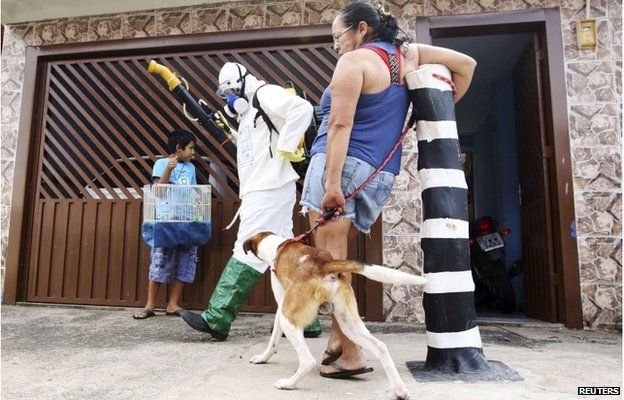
232	88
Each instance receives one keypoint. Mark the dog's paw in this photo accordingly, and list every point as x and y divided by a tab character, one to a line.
284	384
400	393
259	359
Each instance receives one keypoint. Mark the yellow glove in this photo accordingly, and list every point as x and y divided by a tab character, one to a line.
296	156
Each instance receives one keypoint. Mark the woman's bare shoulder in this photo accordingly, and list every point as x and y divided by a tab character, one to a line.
358	58
349	63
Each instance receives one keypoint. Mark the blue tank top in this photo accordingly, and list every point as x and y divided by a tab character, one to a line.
378	123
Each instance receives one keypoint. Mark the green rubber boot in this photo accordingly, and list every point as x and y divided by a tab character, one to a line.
313	330
231	292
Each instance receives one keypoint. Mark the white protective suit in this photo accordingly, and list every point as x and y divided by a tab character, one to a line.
268	184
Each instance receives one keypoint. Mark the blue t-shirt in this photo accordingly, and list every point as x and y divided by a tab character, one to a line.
177	204
182	174
378	123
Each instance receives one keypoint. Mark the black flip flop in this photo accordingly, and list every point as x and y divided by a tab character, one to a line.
333	356
144	314
175	313
343	373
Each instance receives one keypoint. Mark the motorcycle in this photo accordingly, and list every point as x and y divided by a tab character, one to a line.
493	287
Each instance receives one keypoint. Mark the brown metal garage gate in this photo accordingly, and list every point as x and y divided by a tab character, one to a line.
99	125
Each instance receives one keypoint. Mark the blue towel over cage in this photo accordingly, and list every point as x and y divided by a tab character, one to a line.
176	215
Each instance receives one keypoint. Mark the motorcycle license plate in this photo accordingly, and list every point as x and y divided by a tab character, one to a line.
490	242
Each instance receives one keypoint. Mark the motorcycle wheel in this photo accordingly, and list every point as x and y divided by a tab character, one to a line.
481	292
500	285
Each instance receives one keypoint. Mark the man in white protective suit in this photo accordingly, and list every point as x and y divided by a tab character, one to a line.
267	186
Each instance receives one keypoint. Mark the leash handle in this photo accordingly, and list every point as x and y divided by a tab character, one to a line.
320	221
327	216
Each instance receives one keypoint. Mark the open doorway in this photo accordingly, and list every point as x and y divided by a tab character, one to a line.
486	122
513	126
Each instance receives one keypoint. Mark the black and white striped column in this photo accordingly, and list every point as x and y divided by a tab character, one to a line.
453	339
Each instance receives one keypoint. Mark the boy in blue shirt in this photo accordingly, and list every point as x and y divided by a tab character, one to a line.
178	170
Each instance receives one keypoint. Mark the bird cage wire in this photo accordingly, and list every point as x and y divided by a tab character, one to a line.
177	203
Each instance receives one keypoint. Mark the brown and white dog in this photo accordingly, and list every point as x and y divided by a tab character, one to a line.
303	278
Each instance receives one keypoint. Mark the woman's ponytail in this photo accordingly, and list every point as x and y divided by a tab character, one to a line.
388	27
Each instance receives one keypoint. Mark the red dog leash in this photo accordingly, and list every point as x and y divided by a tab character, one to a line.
330	213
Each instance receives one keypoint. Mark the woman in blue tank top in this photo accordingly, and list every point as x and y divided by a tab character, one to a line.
365	109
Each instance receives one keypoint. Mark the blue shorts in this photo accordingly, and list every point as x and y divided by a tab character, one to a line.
165	260
365	207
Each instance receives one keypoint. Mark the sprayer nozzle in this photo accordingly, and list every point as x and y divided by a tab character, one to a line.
168	76
152	66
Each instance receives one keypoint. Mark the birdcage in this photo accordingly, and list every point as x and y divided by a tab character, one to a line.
176	215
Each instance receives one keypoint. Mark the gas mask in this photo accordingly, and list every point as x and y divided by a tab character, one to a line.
232	88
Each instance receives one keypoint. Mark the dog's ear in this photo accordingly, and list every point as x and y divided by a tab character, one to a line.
252	243
249	245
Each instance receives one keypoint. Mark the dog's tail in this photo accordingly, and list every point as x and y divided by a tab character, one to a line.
375	272
388	275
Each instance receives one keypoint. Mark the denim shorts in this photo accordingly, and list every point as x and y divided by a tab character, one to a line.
365	207
179	260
